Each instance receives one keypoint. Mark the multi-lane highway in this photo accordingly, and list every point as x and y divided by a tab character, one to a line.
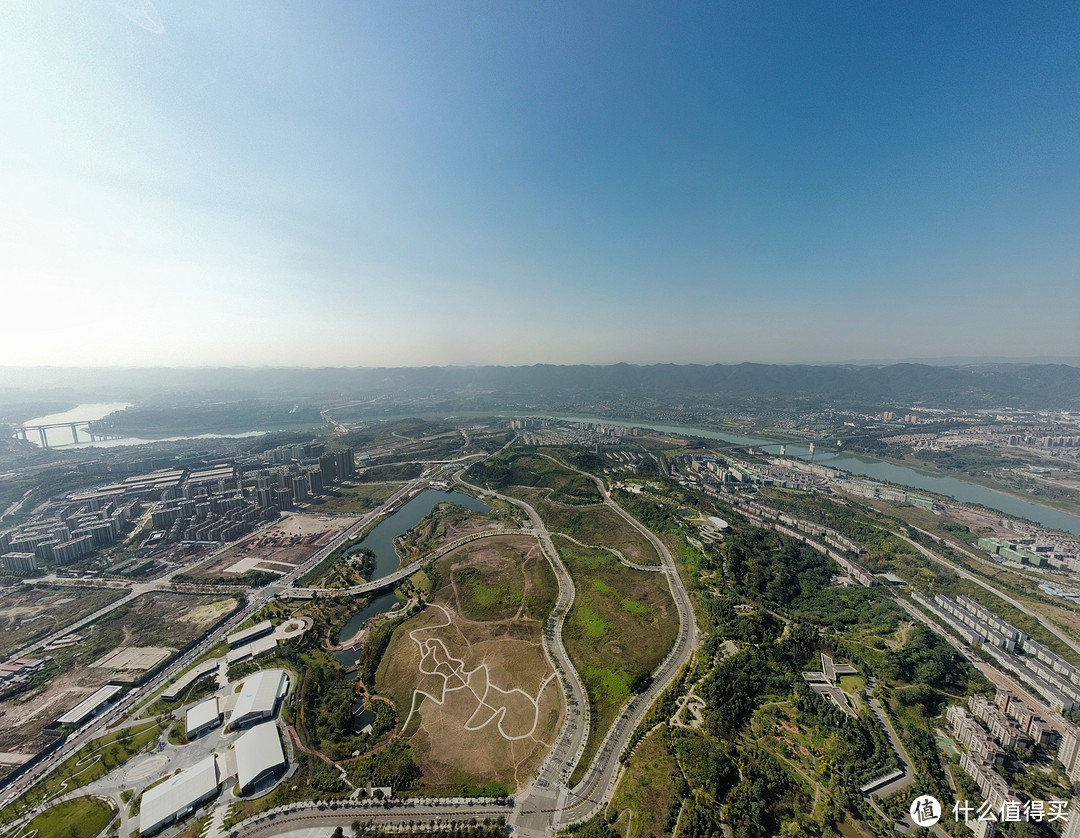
592	793
256	600
548	803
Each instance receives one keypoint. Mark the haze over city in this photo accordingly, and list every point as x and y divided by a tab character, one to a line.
392	184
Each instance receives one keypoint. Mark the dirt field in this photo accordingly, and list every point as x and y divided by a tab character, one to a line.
355	500
161	620
29	613
469	675
278	548
133	658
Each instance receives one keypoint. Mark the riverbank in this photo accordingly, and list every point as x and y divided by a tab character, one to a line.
899	474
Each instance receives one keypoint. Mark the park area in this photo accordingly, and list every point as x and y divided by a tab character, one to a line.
621	626
477	698
597	525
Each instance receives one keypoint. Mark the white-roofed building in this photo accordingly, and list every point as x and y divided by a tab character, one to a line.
202	717
89	706
178	796
259	697
259	756
239	638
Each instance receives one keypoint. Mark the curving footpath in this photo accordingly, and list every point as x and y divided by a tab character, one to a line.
653	568
590	795
548	803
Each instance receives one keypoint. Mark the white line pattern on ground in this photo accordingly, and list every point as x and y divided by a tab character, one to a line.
436	660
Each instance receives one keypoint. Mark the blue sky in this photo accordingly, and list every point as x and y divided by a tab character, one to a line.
456	183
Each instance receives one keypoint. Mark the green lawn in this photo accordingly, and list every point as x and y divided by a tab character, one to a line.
83	817
355	499
92	761
620	627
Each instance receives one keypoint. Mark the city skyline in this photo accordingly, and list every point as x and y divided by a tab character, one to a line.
408	184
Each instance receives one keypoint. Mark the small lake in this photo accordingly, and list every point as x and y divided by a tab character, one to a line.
361	717
381	542
951	487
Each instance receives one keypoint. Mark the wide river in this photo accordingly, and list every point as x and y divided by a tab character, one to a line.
381	542
951	487
62	437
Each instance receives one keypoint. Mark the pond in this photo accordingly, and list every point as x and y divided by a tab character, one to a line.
381	542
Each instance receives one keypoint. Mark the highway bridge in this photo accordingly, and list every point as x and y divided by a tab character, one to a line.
23	432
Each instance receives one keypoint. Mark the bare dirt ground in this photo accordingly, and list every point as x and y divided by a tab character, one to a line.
484	703
28	613
978	521
278	548
161	620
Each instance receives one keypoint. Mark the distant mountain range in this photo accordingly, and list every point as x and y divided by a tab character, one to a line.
1027	385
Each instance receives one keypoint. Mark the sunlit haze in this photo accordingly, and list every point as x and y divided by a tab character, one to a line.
400	183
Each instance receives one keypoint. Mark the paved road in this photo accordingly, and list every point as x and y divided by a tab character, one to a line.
537	806
997	677
908	777
391	580
1050	627
128	703
592	793
546	803
283	822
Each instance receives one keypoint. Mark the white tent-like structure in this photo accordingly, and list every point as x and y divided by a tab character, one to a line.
258	756
178	796
259	697
202	717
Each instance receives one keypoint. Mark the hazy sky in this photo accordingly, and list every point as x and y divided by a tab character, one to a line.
401	183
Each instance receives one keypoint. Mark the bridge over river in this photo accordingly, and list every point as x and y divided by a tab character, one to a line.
23	432
392	579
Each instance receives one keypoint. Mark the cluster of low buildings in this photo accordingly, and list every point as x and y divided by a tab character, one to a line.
733	474
883	491
826	682
17	672
250	642
806	531
575	434
1030	551
258	752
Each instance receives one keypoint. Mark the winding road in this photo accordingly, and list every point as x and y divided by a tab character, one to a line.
547	803
592	793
